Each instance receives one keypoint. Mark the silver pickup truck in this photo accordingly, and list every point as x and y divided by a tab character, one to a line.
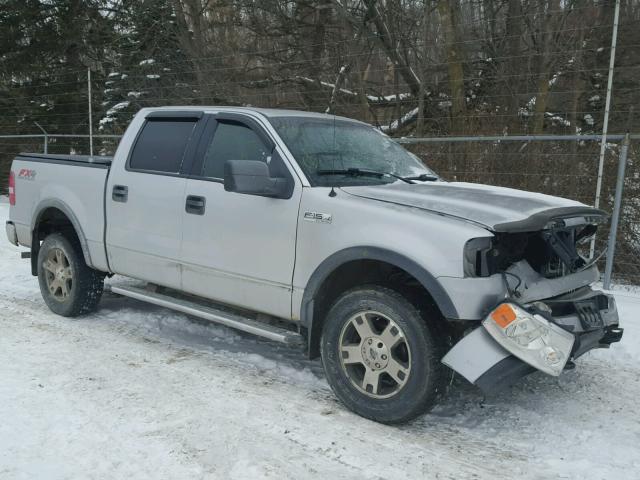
320	231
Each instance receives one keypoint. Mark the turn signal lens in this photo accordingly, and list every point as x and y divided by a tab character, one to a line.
503	315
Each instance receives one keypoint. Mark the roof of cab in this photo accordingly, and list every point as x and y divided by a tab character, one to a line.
267	112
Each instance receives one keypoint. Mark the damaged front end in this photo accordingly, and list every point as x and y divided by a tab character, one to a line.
549	315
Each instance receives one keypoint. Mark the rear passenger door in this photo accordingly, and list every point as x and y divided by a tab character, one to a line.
145	199
239	249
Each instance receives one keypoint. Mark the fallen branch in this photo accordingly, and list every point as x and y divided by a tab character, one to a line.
407	119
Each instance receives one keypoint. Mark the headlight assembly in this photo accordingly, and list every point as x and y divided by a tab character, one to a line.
530	337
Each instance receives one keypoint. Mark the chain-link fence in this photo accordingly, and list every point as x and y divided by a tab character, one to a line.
565	166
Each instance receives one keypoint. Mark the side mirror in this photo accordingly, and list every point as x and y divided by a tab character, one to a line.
252	177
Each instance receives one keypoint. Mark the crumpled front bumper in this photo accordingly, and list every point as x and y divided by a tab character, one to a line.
590	316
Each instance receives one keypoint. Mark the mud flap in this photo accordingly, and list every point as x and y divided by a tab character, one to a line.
483	362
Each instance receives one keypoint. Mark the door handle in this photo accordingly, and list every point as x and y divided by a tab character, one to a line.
120	193
195	205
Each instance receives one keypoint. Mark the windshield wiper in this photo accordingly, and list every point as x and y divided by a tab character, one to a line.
360	172
423	177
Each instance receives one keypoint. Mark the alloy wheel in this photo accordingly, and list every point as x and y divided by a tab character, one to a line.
58	274
374	354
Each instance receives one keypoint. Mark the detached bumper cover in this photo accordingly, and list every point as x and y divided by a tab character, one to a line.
591	317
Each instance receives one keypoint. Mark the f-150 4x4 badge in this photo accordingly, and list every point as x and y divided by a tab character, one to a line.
318	217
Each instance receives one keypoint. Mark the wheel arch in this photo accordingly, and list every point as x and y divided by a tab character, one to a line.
351	260
55	215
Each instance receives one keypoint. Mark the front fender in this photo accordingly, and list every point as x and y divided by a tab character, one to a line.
330	264
428	281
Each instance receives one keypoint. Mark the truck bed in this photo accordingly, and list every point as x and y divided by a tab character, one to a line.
71	184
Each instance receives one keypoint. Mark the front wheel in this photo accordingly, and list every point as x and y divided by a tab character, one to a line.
68	286
379	355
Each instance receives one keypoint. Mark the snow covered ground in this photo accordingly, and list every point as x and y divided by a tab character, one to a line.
136	391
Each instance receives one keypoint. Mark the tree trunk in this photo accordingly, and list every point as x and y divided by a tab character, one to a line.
384	35
541	103
421	71
449	13
545	60
513	63
311	18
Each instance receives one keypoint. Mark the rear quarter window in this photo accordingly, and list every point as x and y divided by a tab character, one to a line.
161	145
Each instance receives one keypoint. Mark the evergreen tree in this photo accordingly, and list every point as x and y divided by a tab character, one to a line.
149	66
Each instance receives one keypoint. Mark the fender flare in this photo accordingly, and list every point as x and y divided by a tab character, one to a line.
68	212
322	272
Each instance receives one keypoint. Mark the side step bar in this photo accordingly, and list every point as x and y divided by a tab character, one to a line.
228	319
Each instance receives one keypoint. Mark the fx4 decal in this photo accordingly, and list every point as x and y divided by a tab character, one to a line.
26	174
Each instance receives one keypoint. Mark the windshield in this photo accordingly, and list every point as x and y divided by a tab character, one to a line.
332	152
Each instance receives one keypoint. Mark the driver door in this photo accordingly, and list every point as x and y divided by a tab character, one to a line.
238	249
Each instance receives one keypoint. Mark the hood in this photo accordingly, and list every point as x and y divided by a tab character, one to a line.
496	208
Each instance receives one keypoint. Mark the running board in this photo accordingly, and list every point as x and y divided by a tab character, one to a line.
227	319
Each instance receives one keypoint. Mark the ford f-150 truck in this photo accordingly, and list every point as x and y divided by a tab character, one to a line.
321	231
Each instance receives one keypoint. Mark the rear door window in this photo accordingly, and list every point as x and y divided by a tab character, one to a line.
161	145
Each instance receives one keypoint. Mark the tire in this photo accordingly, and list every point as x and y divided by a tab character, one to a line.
68	286
402	355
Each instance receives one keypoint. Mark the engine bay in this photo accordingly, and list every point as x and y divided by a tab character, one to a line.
552	252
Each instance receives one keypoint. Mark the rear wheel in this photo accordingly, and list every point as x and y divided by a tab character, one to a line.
68	286
379	355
